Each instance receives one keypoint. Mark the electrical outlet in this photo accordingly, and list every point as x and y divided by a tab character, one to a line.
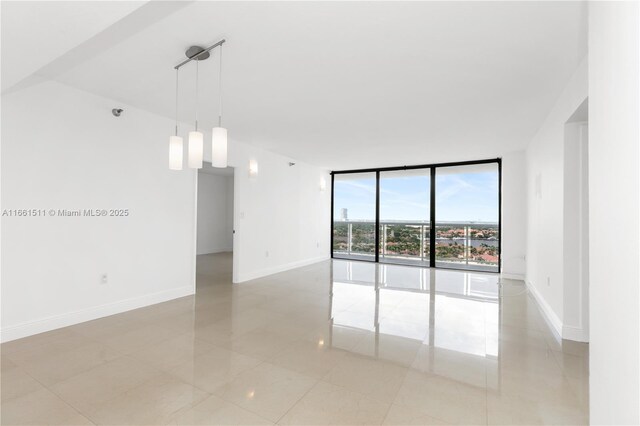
104	278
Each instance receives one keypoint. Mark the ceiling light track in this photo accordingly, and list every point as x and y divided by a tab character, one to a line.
195	154
198	53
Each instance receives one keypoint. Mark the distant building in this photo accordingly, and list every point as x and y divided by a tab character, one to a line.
344	216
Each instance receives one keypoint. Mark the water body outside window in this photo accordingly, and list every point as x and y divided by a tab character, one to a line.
467	212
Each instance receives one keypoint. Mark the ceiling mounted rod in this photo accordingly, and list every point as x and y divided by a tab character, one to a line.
213	46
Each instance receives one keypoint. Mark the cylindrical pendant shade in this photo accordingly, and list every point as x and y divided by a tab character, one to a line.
175	153
196	148
219	147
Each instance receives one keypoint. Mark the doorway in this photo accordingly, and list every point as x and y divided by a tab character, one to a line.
214	226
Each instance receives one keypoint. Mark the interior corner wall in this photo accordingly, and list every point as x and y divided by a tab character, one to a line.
545	200
514	215
281	217
614	212
575	321
215	228
229	213
62	149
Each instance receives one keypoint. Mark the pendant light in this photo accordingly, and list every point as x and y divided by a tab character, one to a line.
175	142
219	133
195	147
196	139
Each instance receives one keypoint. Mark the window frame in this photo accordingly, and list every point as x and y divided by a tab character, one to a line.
433	206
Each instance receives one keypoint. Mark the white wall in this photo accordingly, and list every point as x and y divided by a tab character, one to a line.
514	215
63	149
545	201
614	200
215	213
575	322
229	214
282	219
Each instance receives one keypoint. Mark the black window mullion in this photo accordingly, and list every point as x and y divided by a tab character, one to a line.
499	215
332	218
432	221
377	230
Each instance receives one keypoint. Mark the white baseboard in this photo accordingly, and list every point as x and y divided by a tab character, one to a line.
216	250
577	334
548	313
509	276
276	269
41	325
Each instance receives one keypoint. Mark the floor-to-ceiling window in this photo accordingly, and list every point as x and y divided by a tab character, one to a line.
354	216
405	216
467	232
441	215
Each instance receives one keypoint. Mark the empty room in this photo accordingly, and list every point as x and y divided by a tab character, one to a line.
309	212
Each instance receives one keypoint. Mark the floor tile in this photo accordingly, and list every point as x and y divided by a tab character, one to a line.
16	382
7	364
337	336
442	398
532	385
151	403
567	346
398	350
216	411
310	358
244	321
214	335
89	390
214	368
60	340
573	366
327	404
172	352
135	339
465	368
52	367
267	390
39	408
261	344
379	380
515	410
401	415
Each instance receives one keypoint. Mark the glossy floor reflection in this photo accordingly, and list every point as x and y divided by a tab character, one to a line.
332	343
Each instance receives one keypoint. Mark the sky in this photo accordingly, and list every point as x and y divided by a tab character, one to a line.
459	196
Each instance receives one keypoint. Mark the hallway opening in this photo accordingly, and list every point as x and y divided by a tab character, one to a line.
215	232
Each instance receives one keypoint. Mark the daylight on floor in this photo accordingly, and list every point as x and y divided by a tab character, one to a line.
320	213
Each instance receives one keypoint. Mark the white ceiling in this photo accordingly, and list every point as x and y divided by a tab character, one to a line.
345	84
36	33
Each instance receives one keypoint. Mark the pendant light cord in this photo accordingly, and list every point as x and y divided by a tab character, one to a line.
177	71
220	86
197	63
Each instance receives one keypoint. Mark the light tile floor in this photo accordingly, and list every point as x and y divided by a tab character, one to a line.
332	343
